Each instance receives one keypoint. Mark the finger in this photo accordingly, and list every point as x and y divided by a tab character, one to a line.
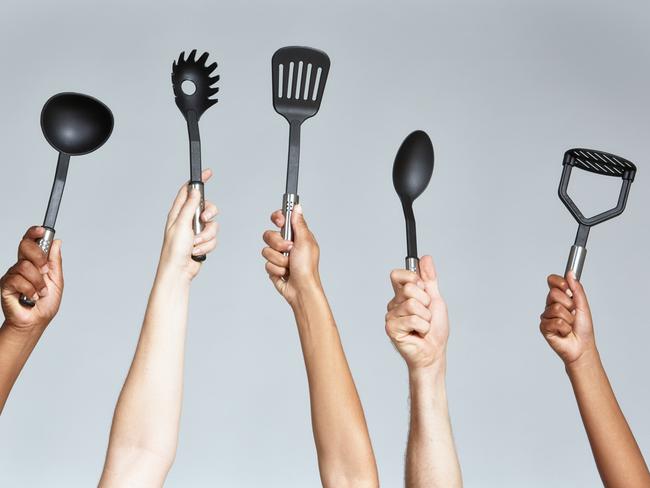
429	275
407	325
412	307
555	327
55	263
181	196
579	295
275	257
206	175
208	233
557	281
557	311
278	218
274	270
186	213
17	284
400	277
411	290
558	296
34	232
32	274
299	224
274	240
29	250
210	212
205	248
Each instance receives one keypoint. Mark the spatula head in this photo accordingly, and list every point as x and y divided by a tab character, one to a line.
199	73
413	166
299	77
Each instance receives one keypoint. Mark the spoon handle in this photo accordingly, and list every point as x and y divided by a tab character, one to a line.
44	243
413	264
289	200
197	225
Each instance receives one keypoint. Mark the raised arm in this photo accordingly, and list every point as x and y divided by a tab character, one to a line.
417	324
345	456
36	276
144	434
568	328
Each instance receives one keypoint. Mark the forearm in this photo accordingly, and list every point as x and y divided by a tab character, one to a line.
345	454
431	459
147	415
618	457
15	348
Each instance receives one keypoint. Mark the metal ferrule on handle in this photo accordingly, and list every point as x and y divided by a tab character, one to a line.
45	243
197	225
413	264
576	260
289	201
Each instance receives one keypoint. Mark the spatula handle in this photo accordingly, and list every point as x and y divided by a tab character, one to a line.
44	243
289	200
197	225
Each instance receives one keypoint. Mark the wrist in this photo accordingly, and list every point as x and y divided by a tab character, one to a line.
432	374
22	334
175	275
589	359
306	289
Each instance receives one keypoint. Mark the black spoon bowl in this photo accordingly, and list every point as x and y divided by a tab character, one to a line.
74	125
412	172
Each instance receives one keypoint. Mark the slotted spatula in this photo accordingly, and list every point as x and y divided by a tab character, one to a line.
601	163
192	105
299	75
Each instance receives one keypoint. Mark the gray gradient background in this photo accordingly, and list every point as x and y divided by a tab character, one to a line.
503	88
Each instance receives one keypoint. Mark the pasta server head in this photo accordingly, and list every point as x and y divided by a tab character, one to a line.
197	98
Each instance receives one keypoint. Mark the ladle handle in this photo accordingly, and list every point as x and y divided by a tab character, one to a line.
576	261
44	243
413	264
289	200
197	225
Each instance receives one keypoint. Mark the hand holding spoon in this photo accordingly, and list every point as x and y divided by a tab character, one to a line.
73	124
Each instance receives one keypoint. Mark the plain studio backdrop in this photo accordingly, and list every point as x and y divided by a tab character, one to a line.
502	87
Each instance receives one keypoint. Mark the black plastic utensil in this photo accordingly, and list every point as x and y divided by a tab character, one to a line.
604	164
73	124
412	172
192	100
299	75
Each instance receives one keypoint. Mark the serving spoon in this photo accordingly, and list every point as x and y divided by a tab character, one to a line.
412	172
74	125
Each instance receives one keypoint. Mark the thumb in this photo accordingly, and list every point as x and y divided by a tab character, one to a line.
579	295
189	207
429	275
298	223
55	263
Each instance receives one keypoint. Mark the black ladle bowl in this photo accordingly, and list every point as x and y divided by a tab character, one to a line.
73	124
412	172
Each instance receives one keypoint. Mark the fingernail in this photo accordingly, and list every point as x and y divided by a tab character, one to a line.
569	292
420	284
45	269
290	247
197	240
197	251
298	209
43	292
35	297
